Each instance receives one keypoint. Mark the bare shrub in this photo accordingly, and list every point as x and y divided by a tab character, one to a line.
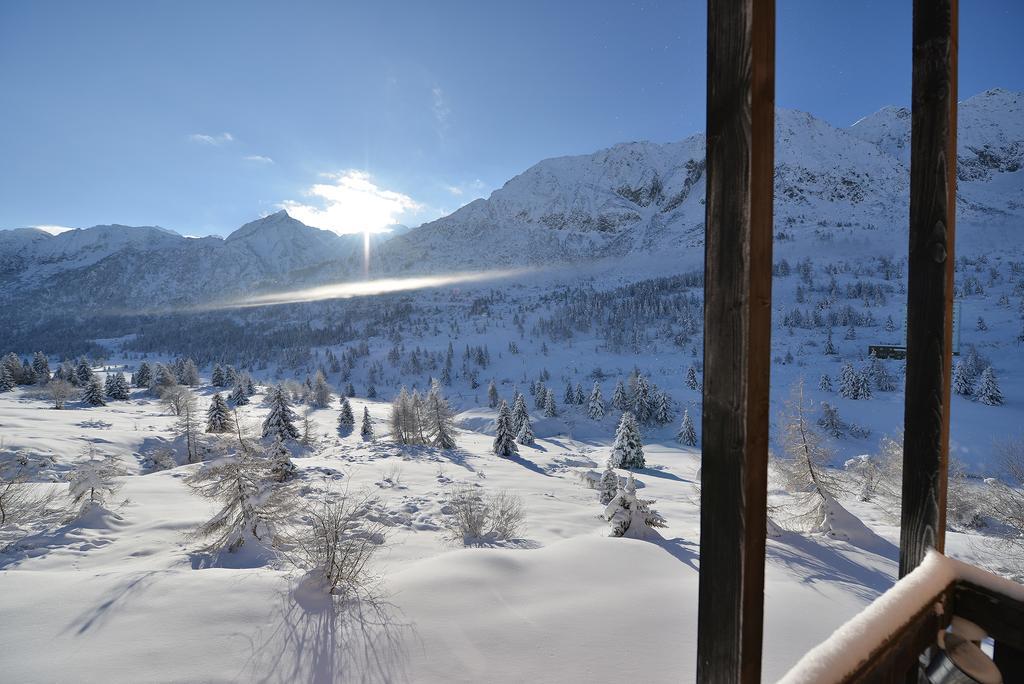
1006	496
22	502
337	541
479	519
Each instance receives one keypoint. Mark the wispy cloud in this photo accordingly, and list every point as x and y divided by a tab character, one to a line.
471	190
441	110
53	230
352	203
216	139
258	159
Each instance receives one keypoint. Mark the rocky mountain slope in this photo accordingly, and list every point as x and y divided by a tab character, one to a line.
632	199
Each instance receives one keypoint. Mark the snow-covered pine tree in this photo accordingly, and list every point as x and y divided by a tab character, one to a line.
691	379
643	409
825	383
492	395
631	516
519	413
217	378
540	395
504	439
144	376
628	448
440	426
569	396
189	373
524	435
863	385
218	415
550	408
92	395
281	467
280	421
988	388
238	396
6	381
608	486
346	419
963	379
366	430
350	390
230	376
619	398
595	408
663	408
122	390
83	372
687	434
830	349
580	398
849	382
41	367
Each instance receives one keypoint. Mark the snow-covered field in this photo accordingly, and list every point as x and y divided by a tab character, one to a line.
126	596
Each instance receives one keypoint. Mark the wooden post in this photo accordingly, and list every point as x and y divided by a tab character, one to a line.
737	338
930	280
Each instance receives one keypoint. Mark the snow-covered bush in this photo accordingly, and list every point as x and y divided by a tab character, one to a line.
155	460
631	516
478	519
22	502
253	507
93	482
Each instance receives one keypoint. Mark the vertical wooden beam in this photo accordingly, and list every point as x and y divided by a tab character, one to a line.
737	338
930	280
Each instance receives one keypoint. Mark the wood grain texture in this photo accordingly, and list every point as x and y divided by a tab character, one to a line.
737	335
929	280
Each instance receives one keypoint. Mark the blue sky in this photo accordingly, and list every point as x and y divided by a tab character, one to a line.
200	116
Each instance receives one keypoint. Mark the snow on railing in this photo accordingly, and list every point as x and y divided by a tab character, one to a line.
891	615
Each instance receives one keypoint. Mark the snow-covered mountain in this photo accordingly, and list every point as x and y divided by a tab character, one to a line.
634	199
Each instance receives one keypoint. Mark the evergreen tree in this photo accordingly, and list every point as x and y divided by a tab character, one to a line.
963	380
643	409
93	393
687	434
350	390
849	382
663	409
218	416
825	384
540	395
628	449
366	431
280	421
596	407
863	386
281	467
217	378
188	373
41	367
504	439
492	395
569	396
550	410
144	376
609	486
631	516
830	349
230	377
524	435
691	379
619	399
988	389
519	413
238	396
83	373
346	419
6	381
830	420
581	398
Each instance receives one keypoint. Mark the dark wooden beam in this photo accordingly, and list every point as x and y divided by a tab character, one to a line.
737	338
930	280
